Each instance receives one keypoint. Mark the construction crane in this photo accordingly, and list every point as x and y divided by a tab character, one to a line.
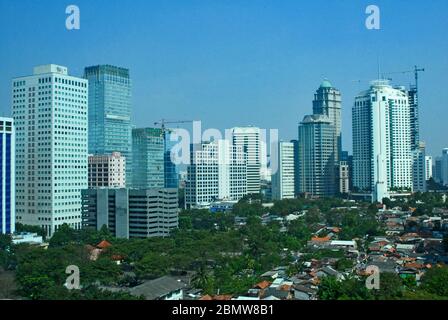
415	72
163	122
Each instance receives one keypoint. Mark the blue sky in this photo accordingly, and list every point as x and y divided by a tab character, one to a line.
232	62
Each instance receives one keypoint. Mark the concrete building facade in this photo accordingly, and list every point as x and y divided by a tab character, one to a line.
107	171
131	213
50	113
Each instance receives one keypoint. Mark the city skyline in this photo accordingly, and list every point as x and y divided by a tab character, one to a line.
263	62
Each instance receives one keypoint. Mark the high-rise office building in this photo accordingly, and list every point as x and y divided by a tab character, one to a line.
171	172
131	213
218	171
148	153
107	171
317	169
249	138
419	168
382	157
7	176
50	114
444	164
437	170
283	178
428	167
327	101
110	112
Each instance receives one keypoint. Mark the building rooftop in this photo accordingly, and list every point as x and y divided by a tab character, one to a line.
158	288
326	84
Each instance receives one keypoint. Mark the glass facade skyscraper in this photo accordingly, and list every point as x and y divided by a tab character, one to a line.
148	150
7	176
171	174
110	112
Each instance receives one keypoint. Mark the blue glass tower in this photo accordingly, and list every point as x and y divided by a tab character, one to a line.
7	176
148	150
110	127
171	174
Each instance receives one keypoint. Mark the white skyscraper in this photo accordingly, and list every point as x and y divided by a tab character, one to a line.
249	139
217	172
428	167
382	157
283	178
50	113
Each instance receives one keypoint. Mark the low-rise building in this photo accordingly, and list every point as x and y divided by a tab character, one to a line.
27	237
131	213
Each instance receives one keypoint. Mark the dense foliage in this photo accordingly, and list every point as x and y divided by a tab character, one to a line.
224	257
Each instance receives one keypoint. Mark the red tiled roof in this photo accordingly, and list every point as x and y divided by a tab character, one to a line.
262	285
104	244
324	239
414	265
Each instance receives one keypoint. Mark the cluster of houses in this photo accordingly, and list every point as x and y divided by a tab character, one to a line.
409	247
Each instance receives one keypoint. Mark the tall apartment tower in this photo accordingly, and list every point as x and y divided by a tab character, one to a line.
7	176
414	117
218	171
317	171
148	153
382	155
283	179
327	101
107	171
249	139
50	114
110	112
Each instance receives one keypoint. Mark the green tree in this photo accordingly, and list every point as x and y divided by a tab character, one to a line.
435	281
63	236
391	287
